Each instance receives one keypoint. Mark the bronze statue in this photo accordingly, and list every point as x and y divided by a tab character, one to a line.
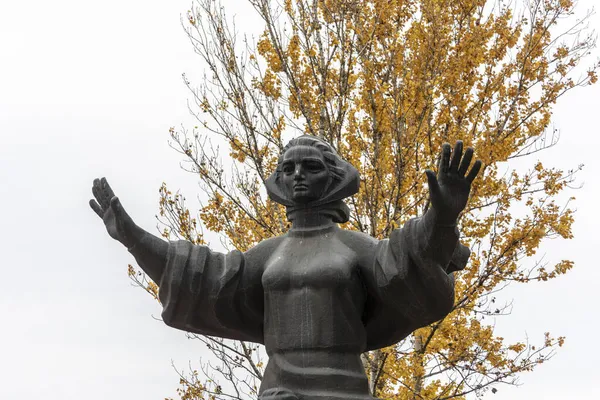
318	296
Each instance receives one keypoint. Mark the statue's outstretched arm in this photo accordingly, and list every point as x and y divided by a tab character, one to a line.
412	272
149	251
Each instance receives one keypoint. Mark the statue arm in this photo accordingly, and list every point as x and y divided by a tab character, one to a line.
150	252
433	239
426	250
212	293
201	291
204	291
409	282
423	250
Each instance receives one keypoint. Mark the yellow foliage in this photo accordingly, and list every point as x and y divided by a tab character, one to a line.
387	82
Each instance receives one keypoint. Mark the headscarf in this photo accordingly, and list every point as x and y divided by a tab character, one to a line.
345	183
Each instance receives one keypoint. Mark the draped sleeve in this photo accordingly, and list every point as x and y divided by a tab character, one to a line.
211	293
409	280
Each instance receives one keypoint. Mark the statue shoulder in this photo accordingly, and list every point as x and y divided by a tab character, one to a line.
361	243
264	248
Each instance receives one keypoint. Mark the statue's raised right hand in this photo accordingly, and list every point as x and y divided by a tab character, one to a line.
118	223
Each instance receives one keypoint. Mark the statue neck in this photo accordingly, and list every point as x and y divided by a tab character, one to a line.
310	219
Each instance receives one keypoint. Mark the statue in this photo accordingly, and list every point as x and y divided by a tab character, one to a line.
318	296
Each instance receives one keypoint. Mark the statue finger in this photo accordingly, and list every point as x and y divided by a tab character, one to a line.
107	189
432	182
456	156
97	209
474	171
117	208
445	158
466	161
97	191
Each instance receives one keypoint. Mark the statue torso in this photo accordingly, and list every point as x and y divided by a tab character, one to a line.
314	302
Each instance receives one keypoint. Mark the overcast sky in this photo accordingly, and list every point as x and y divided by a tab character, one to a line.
90	90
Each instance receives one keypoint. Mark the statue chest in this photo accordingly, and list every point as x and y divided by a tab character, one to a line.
314	299
321	261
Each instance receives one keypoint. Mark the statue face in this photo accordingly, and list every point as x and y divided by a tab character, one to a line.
304	174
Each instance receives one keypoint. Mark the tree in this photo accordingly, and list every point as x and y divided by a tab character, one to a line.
387	82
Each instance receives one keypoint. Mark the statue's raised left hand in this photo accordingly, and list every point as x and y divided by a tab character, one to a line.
449	190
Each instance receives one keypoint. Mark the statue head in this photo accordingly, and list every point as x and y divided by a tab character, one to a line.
311	174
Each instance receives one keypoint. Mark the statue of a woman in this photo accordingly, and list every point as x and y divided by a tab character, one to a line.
318	296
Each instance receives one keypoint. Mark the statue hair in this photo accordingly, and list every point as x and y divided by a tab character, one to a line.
330	156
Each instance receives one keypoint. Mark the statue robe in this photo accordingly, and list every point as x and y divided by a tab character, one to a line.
315	299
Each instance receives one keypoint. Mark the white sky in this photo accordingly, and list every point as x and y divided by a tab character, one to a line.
90	90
